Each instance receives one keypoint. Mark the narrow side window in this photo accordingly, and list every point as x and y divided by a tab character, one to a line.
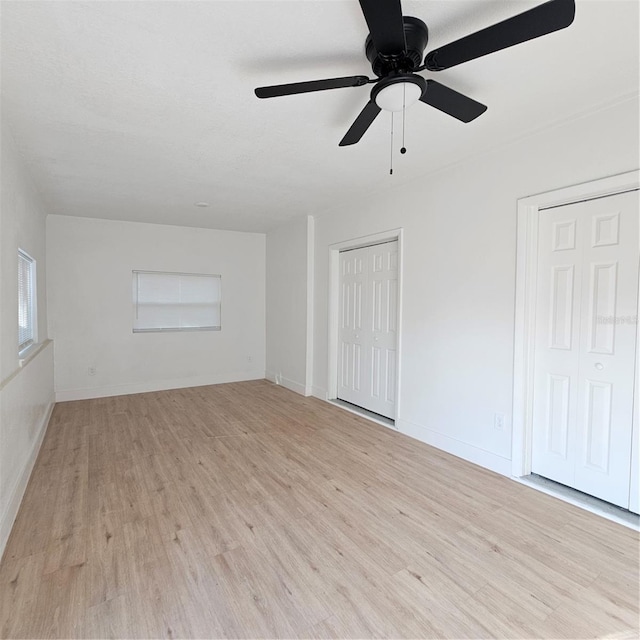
26	301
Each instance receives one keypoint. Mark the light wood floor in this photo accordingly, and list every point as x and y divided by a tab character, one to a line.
245	510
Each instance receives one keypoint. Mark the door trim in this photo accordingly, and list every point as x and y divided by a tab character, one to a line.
334	305
525	308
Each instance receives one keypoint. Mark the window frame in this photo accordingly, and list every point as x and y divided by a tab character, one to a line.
136	272
32	308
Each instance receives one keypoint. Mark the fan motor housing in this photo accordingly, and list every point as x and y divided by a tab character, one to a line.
416	36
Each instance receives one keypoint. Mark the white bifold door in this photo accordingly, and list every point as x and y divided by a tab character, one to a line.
367	334
585	345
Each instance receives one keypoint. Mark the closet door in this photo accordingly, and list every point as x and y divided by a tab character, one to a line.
353	341
586	345
609	305
368	327
557	345
383	289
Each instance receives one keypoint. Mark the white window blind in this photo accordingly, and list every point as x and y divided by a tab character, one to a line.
176	301
26	301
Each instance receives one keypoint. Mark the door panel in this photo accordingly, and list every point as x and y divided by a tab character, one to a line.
382	284
602	304
586	345
608	337
558	418
556	356
368	330
352	300
561	315
597	425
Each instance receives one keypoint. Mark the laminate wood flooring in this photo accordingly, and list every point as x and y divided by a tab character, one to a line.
246	511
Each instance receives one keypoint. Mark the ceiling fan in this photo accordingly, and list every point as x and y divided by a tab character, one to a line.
395	46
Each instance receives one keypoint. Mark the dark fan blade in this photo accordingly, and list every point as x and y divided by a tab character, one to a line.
313	85
539	21
451	102
384	19
361	124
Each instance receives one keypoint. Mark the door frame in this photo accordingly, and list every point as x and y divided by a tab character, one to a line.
525	312
334	305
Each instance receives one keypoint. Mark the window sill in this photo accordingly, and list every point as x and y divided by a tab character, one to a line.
26	352
177	329
29	352
25	358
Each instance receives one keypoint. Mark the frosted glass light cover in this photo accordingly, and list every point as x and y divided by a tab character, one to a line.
393	97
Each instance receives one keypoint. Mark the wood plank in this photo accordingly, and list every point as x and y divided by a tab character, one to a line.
245	510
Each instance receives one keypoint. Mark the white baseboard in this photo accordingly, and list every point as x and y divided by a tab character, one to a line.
19	488
463	450
292	385
66	395
319	392
460	449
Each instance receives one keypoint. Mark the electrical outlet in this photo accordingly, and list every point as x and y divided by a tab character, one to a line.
91	371
249	358
498	421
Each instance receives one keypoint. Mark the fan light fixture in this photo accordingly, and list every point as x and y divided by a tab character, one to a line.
398	92
398	96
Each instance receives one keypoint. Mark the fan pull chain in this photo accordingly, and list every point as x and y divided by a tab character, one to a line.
404	111
391	155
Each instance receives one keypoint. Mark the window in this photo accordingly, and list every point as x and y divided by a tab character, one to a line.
26	301
175	301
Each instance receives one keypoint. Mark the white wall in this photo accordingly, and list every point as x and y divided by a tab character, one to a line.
289	294
459	272
90	307
26	392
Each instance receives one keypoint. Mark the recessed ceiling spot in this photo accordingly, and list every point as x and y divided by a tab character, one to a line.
201	204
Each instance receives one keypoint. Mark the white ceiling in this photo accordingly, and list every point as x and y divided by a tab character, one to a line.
137	110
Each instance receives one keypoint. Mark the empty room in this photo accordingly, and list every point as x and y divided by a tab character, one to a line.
319	319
